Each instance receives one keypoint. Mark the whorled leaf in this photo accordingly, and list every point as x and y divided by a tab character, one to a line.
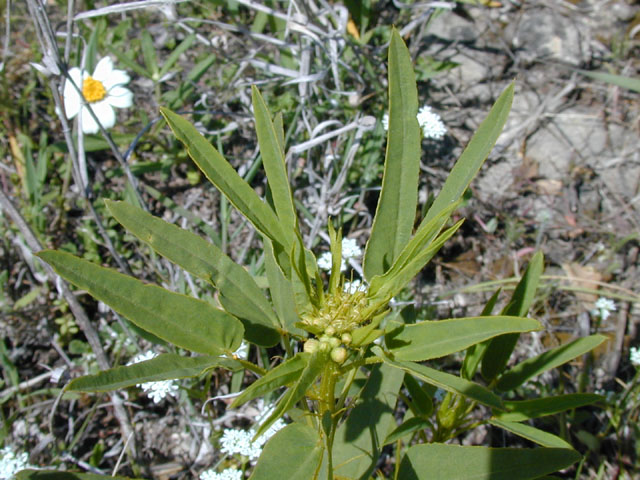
184	321
455	462
168	366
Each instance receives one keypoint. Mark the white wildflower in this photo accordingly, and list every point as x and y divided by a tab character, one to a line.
430	122
239	441
228	474
324	262
143	357
103	90
242	351
604	307
271	431
350	249
10	463
634	356
355	286
156	391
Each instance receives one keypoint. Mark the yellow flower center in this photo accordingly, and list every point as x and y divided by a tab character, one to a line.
93	90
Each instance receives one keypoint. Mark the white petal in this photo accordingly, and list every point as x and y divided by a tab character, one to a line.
103	69
105	113
87	122
120	97
72	99
116	77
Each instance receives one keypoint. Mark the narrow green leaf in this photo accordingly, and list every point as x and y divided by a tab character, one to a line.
239	294
472	158
284	374
226	179
383	288
619	80
335	242
396	210
295	452
58	475
499	350
168	366
312	368
474	354
274	165
446	381
127	62
519	410
426	340
547	360
422	239
281	292
531	433
454	462
359	440
175	55
184	321
421	401
278	124
407	428
149	53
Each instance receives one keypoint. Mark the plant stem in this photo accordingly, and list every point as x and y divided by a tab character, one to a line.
327	405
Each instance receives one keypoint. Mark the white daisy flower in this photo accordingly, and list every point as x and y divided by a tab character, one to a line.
103	91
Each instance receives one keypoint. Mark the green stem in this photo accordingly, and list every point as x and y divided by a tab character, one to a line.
327	405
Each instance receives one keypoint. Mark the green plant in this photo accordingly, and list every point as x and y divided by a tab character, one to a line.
346	357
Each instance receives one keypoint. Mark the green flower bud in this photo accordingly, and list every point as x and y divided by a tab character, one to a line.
346	338
325	346
339	354
330	331
311	346
334	342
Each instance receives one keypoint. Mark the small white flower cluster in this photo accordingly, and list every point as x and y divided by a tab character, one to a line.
227	474
10	463
350	249
239	441
355	286
156	391
430	122
634	356
604	307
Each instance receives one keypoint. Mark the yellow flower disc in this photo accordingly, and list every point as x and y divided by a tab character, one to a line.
93	90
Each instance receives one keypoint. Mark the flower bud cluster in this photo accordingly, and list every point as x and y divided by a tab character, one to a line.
334	322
